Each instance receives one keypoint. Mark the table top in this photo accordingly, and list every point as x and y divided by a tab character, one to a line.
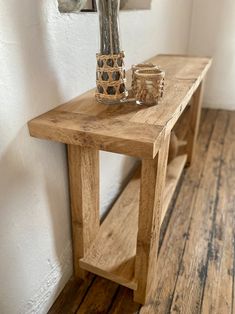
125	128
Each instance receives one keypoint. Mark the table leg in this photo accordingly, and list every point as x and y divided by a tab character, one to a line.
153	176
84	197
194	121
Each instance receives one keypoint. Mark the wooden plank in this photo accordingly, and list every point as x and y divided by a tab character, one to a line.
176	67
100	133
153	176
112	254
194	121
71	296
176	97
123	303
99	298
190	283
174	171
173	245
84	104
125	128
84	196
218	292
183	67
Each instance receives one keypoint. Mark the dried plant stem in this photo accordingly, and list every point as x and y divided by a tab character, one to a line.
109	28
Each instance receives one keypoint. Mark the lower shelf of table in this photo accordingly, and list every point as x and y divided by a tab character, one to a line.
112	254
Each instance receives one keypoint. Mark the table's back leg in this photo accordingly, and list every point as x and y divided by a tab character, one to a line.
153	175
84	197
194	121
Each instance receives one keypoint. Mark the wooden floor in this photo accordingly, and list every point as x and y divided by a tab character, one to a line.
197	252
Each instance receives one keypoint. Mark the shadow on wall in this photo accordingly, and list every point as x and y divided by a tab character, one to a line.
33	180
136	4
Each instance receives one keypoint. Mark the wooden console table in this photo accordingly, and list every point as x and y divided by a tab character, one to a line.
124	247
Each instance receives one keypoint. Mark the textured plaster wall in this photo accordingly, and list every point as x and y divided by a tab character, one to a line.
46	59
213	34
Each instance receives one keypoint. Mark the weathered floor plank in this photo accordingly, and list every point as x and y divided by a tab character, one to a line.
190	283
196	267
99	298
218	291
124	303
71	296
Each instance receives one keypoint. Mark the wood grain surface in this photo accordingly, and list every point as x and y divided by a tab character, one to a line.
83	165
125	128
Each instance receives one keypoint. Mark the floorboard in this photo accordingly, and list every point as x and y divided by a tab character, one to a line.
196	265
193	269
218	293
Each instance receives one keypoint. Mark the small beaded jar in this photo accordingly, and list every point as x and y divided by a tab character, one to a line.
149	86
140	66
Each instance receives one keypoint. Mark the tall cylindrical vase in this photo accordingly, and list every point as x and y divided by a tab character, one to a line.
110	74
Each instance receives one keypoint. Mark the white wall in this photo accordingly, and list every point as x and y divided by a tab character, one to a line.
212	34
46	59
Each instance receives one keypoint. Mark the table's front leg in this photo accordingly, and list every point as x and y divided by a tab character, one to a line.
84	197
153	175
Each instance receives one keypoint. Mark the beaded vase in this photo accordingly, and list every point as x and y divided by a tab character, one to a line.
110	72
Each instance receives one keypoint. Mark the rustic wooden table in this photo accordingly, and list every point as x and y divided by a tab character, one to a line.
124	247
